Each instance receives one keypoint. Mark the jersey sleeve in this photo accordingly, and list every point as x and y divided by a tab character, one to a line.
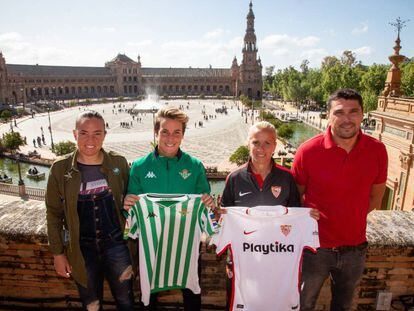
382	165
310	232
208	221
131	223
222	238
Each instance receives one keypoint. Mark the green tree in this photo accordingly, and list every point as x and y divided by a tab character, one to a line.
407	78
348	58
64	147
329	61
304	66
285	131
6	114
370	100
12	141
268	79
371	85
240	156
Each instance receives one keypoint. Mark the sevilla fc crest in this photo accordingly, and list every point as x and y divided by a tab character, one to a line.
276	190
285	229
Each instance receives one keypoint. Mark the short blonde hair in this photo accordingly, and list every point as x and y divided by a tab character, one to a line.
261	126
172	113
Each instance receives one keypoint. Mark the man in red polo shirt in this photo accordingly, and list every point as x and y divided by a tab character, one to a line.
341	173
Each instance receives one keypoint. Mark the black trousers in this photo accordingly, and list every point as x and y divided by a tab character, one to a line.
192	302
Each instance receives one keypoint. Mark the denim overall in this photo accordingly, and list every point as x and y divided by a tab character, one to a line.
105	252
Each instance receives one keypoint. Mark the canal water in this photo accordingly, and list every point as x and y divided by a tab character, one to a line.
302	132
10	168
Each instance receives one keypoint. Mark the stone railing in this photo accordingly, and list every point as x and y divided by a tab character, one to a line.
9	189
35	193
28	280
23	191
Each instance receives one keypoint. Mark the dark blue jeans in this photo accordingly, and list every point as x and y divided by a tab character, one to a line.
105	253
109	260
344	267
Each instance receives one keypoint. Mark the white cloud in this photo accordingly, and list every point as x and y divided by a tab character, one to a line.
98	30
307	41
280	52
277	40
364	50
140	44
362	28
214	34
109	29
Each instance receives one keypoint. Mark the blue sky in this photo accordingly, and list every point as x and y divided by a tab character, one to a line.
197	33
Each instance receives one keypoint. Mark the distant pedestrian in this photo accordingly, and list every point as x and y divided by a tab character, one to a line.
34	142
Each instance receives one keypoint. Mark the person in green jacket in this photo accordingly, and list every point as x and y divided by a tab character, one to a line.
85	224
170	170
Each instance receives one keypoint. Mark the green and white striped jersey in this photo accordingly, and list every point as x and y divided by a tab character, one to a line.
169	228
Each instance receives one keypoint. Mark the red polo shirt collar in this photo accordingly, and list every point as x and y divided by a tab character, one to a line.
329	143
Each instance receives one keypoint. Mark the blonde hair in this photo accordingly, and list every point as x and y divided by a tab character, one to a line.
172	113
261	126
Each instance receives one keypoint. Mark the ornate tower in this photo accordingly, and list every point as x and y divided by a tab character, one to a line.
393	81
250	73
3	80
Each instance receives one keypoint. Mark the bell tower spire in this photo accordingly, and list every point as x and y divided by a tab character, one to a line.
250	74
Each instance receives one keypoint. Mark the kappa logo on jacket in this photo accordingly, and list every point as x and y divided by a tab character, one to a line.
150	174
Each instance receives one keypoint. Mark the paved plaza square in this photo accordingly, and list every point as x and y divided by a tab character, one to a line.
212	143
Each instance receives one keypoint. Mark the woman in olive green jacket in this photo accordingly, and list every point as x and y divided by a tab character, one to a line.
68	232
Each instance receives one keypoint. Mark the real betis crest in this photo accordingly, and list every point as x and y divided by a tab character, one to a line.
185	173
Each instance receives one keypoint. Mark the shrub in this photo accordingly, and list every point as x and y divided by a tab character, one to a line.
64	147
240	156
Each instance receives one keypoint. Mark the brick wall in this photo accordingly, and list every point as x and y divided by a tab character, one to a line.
28	279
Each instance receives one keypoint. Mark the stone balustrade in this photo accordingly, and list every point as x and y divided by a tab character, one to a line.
28	279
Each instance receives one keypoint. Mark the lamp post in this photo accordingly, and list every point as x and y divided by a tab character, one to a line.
21	182
34	96
54	94
50	128
24	99
252	111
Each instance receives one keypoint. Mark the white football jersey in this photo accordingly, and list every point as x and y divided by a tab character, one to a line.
266	244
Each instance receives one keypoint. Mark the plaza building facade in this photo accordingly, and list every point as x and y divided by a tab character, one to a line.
395	128
123	76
